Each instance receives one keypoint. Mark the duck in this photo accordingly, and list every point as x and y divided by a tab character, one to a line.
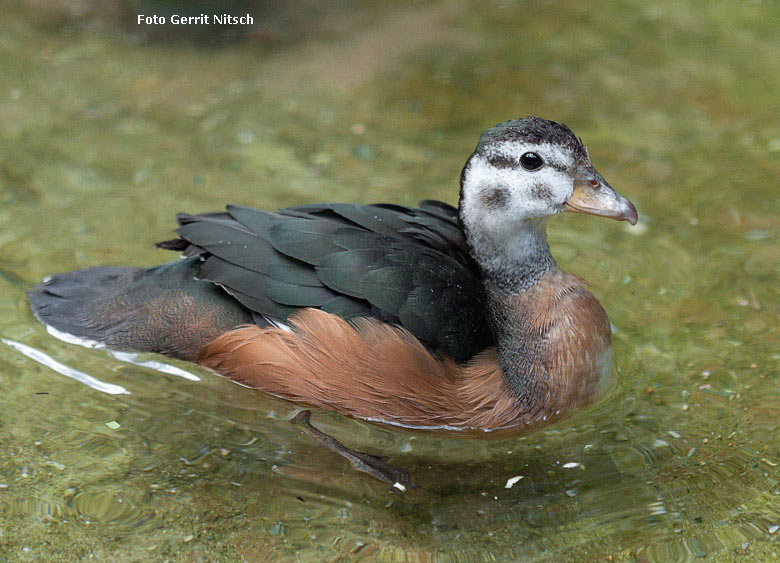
428	317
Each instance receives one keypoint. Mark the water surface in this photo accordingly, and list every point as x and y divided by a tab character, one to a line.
106	133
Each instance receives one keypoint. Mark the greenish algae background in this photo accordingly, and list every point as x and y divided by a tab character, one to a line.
105	133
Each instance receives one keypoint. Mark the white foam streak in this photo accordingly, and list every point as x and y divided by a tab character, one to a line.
131	358
73	339
51	363
127	357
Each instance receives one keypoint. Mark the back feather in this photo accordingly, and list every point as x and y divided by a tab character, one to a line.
405	266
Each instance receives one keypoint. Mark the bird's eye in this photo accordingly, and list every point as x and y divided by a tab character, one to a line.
531	161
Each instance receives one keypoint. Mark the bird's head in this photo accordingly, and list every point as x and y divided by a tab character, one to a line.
529	169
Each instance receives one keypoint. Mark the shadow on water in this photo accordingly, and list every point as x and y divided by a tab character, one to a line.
107	134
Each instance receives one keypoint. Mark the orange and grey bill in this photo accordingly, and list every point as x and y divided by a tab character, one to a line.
594	196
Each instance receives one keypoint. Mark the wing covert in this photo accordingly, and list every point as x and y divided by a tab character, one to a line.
404	265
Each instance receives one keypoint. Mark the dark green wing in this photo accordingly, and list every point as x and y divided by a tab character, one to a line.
403	265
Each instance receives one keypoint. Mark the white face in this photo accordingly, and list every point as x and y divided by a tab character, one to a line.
504	202
499	191
522	172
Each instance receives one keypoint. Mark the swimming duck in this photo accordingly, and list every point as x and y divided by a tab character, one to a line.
426	317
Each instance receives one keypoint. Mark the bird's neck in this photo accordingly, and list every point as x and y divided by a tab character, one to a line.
515	269
527	295
513	257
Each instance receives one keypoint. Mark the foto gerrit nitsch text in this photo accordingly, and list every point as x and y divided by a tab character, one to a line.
202	19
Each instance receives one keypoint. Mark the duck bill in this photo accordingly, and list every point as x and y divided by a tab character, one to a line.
594	196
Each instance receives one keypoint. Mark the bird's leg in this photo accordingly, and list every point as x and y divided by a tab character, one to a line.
361	461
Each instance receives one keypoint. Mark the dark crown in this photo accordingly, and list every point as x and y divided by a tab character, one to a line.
533	130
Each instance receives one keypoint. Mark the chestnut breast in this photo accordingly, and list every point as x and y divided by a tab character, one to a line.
554	344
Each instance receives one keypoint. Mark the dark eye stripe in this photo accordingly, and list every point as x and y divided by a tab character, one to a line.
502	162
558	167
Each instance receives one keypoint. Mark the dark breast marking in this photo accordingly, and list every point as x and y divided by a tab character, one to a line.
541	191
495	198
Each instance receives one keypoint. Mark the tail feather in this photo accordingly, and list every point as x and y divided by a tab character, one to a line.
70	302
162	309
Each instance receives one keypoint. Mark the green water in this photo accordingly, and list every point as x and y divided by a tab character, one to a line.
105	135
